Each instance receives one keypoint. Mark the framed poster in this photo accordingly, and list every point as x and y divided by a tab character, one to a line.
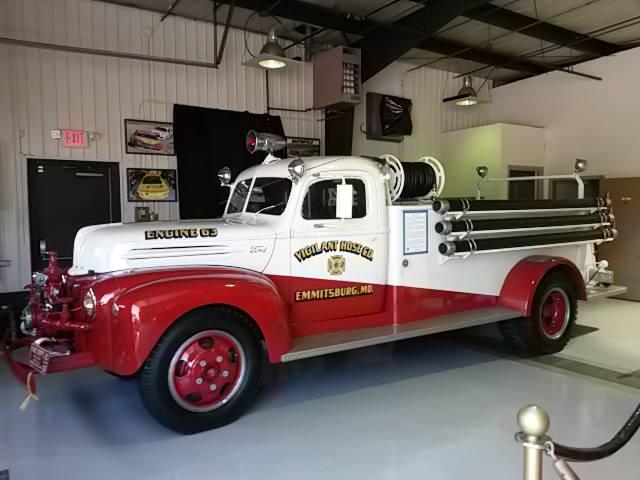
415	226
303	147
152	185
148	138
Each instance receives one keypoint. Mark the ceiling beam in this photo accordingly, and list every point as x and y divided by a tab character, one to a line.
509	20
481	55
386	44
309	13
305	12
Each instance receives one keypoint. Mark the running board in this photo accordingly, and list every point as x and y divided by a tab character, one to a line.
603	292
315	345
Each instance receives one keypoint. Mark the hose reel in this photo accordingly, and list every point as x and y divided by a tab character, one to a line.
423	179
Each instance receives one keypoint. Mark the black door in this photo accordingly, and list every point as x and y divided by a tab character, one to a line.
522	189
65	196
568	189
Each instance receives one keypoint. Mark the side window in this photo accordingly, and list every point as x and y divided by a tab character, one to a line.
320	200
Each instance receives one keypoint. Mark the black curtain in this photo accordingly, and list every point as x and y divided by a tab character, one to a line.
206	140
338	132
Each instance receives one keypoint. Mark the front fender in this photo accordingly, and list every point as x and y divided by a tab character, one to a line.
149	306
522	281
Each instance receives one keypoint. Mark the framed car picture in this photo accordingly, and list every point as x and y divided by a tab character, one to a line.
303	147
148	138
152	185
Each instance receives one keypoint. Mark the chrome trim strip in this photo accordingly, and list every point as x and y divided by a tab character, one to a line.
315	345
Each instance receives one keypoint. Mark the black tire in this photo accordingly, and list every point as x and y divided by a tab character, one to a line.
532	334
162	400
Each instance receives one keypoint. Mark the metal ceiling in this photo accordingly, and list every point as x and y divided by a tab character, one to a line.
506	40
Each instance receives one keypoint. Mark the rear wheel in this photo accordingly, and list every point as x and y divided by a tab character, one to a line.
204	372
553	314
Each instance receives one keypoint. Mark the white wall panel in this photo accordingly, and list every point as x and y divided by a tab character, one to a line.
426	88
41	90
594	120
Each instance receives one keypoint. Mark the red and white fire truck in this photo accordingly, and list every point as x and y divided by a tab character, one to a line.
312	256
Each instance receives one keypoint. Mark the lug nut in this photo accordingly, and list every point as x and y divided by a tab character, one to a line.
203	363
225	373
219	358
198	381
213	387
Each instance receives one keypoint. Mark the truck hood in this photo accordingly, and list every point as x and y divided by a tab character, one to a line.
117	246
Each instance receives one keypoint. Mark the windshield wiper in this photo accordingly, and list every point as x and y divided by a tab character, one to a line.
255	215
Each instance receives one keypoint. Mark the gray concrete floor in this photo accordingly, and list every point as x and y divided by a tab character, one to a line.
440	407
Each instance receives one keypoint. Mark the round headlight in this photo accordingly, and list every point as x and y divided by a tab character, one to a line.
89	303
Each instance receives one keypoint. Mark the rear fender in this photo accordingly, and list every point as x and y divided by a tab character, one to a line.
148	309
522	281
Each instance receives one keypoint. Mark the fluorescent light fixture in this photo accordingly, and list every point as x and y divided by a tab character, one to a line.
467	96
271	56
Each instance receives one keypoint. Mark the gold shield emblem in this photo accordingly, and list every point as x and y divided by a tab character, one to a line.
336	265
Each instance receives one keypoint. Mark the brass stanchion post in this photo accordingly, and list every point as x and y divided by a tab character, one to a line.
534	423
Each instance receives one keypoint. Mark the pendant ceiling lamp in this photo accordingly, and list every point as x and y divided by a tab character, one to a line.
271	56
467	96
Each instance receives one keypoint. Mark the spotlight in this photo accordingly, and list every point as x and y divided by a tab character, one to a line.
224	175
482	171
580	165
264	142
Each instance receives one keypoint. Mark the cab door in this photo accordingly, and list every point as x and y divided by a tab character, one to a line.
338	266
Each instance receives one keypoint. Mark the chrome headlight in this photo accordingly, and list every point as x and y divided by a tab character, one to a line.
89	303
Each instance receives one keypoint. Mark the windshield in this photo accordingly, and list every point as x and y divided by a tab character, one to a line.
269	196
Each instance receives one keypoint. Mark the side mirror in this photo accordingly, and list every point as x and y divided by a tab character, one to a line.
344	200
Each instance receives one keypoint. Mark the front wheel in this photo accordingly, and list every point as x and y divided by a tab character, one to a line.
553	314
204	372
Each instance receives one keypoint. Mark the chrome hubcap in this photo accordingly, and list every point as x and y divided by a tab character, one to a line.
206	371
555	313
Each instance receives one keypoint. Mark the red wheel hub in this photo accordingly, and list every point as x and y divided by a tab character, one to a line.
555	313
206	371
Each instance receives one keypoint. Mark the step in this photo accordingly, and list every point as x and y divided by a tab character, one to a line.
603	292
315	345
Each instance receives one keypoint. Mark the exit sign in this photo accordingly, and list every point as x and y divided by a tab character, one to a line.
75	138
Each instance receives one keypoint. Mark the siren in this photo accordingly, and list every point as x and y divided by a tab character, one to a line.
264	142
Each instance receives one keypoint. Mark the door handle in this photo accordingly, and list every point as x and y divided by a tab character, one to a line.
625	199
5	263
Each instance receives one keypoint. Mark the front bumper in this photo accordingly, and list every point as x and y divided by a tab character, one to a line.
22	367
